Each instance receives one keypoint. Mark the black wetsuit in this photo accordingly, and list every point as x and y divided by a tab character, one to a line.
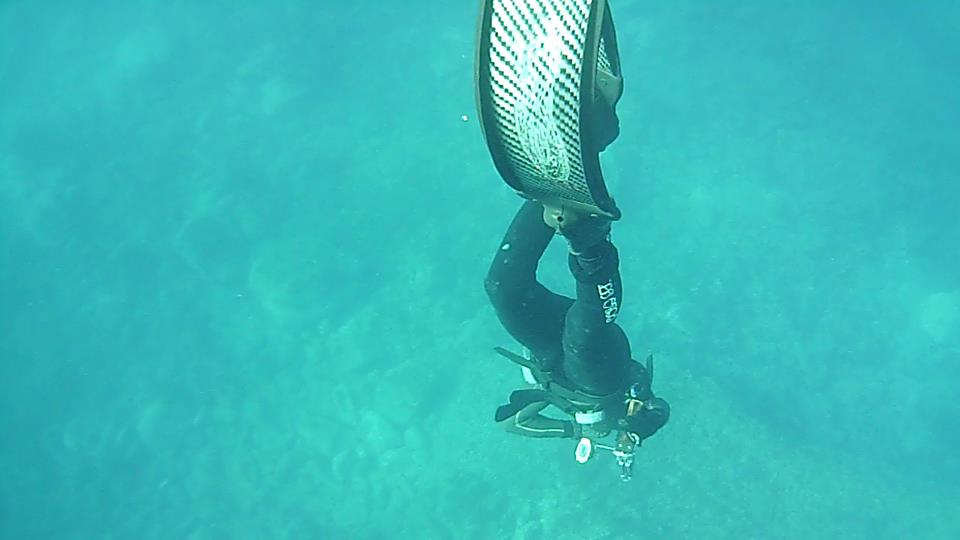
578	339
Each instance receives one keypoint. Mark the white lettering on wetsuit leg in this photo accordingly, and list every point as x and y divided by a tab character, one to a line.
611	307
606	291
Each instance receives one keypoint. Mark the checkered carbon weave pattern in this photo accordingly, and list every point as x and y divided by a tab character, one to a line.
604	60
536	53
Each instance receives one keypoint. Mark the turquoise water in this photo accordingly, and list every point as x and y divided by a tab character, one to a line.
242	247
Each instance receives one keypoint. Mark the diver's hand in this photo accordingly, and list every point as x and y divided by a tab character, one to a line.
582	230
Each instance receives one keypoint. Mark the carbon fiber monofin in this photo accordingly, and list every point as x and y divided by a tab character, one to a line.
536	77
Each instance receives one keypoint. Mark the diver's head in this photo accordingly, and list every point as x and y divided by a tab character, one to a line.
645	413
653	415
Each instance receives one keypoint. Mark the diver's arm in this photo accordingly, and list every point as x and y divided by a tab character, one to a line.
530	423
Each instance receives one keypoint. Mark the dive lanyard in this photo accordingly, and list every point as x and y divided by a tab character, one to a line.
627	442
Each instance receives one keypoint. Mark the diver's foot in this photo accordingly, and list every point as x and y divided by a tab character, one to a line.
582	230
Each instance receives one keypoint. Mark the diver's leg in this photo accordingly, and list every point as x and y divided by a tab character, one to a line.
596	350
530	313
599	287
530	423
